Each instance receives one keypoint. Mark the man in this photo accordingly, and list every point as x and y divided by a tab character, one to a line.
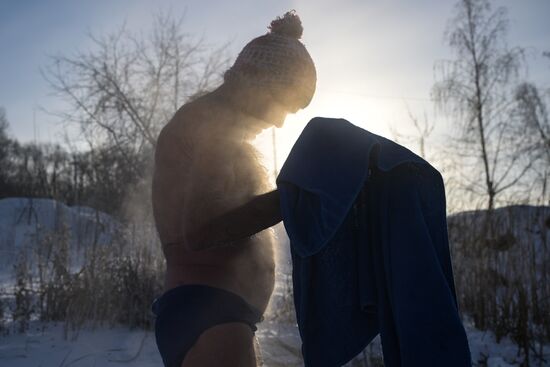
212	203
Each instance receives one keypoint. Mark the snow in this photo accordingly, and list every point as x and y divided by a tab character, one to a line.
45	345
24	222
486	351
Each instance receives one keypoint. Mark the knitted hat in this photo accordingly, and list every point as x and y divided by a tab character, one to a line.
278	61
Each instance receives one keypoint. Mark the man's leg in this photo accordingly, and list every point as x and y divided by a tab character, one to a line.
229	345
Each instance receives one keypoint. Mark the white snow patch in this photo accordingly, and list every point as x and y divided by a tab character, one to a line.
24	222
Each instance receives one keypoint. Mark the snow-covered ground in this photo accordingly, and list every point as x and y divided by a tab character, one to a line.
45	345
23	221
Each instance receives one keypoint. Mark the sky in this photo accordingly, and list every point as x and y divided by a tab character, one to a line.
374	59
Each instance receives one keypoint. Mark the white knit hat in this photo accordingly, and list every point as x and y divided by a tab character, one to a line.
277	60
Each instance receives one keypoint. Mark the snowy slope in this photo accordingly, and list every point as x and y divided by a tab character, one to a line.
24	222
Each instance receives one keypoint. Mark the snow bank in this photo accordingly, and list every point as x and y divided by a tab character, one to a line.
24	222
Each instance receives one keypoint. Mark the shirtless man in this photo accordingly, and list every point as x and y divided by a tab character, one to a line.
212	203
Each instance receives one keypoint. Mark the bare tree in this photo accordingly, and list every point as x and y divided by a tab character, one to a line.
127	86
476	88
423	131
4	145
532	112
5	163
3	121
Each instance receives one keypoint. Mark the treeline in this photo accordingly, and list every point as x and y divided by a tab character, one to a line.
100	178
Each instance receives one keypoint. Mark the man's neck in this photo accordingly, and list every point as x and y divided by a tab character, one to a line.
244	122
242	101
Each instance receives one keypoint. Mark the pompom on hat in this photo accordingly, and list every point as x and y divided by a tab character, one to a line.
278	61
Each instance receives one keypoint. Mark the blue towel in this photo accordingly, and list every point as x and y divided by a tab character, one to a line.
366	219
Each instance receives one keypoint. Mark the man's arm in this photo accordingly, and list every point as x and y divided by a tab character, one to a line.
262	212
215	211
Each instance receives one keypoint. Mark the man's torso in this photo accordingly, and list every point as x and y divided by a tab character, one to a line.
247	267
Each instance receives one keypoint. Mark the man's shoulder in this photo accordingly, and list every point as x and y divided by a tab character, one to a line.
181	130
197	121
180	125
194	135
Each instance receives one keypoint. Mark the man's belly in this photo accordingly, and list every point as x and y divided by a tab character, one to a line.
246	268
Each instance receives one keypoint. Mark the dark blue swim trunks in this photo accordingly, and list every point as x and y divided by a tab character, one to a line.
185	312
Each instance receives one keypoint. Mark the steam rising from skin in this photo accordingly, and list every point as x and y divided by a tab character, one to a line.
248	163
206	166
209	175
207	170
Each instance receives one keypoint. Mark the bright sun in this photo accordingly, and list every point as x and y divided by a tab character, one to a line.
372	115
